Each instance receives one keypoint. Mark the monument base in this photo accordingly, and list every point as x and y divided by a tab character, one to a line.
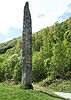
25	87
29	87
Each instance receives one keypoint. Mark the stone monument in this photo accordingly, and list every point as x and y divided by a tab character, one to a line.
27	48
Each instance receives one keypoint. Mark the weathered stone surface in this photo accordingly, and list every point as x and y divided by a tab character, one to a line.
27	47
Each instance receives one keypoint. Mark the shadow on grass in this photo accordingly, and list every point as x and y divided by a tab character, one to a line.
57	97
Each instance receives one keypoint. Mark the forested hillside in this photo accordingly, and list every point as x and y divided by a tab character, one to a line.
51	54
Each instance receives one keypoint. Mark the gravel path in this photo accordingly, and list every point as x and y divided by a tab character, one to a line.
65	95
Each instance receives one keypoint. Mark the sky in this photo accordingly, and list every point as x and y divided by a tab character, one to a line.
44	13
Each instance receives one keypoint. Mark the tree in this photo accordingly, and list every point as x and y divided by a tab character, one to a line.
38	69
17	72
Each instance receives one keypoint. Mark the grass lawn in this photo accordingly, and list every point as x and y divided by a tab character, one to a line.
64	86
16	93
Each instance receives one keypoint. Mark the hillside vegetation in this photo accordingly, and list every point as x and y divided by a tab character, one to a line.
51	55
58	86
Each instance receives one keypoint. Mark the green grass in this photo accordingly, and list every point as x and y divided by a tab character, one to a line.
16	93
64	86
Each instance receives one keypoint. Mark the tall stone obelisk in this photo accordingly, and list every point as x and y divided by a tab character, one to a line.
27	48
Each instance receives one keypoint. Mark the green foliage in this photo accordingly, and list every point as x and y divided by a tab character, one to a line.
38	67
2	72
64	86
1	58
17	72
8	70
19	44
9	66
13	60
58	60
69	23
51	55
5	46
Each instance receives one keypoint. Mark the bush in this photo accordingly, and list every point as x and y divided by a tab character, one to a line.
17	72
2	72
39	71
